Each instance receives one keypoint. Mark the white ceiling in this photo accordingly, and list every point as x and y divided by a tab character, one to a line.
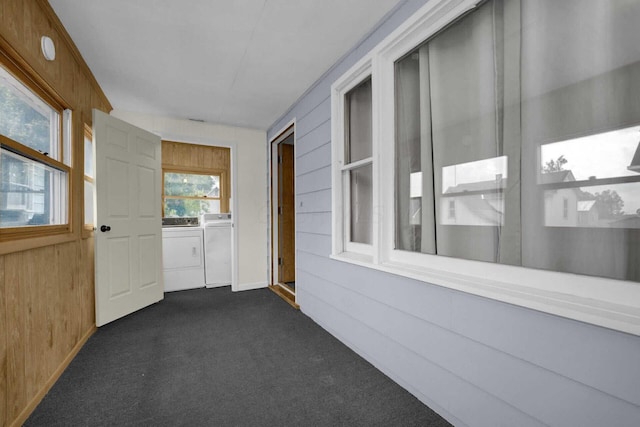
237	62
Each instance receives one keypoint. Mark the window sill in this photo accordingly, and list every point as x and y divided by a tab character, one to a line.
24	244
621	312
87	232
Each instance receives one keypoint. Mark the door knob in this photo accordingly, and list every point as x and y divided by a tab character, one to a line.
104	228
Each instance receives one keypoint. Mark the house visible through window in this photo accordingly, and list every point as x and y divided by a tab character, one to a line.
472	106
507	132
189	194
33	153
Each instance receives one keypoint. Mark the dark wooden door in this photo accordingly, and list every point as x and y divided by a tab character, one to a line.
286	214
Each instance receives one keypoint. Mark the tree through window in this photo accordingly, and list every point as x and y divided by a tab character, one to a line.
188	194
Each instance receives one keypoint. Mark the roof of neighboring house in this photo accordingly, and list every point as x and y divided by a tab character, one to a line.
559	176
585	205
635	163
492	184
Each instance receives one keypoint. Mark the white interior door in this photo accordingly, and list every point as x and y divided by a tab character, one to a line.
128	237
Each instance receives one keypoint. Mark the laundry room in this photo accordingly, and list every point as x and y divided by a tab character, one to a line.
209	211
197	226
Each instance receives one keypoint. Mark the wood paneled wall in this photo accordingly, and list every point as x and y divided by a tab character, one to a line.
46	290
200	159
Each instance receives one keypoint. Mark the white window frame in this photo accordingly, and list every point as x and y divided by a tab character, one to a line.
341	213
610	303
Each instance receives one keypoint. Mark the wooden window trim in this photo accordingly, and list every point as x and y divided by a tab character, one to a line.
87	229
223	174
15	239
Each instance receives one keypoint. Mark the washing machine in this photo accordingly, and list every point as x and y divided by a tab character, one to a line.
182	254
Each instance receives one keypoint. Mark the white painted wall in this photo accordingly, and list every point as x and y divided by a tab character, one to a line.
248	147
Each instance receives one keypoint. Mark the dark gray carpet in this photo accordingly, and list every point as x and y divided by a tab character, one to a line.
210	357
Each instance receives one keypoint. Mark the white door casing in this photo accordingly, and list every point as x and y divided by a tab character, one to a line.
128	188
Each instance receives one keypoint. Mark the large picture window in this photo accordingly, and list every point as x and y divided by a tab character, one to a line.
507	135
34	159
490	129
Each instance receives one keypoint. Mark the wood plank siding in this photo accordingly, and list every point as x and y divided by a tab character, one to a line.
46	284
474	360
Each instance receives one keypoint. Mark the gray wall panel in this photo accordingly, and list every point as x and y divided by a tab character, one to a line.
554	399
316	180
319	157
317	137
467	404
318	115
580	351
427	302
476	361
313	243
317	201
316	223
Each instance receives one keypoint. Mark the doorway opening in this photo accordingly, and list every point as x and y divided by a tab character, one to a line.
283	217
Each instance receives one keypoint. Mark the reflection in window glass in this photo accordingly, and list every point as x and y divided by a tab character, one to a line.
490	131
603	155
31	193
476	188
481	175
580	135
602	206
449	117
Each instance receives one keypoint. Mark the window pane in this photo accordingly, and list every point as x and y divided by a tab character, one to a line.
31	193
414	173
601	155
88	156
88	202
190	207
27	119
191	185
358	122
603	206
361	204
472	193
453	140
580	133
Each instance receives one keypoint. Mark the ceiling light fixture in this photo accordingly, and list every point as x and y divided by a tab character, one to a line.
48	48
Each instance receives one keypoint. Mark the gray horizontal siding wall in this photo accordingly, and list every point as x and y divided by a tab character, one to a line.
476	361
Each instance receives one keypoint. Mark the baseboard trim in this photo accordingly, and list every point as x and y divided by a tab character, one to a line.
250	286
26	412
289	297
